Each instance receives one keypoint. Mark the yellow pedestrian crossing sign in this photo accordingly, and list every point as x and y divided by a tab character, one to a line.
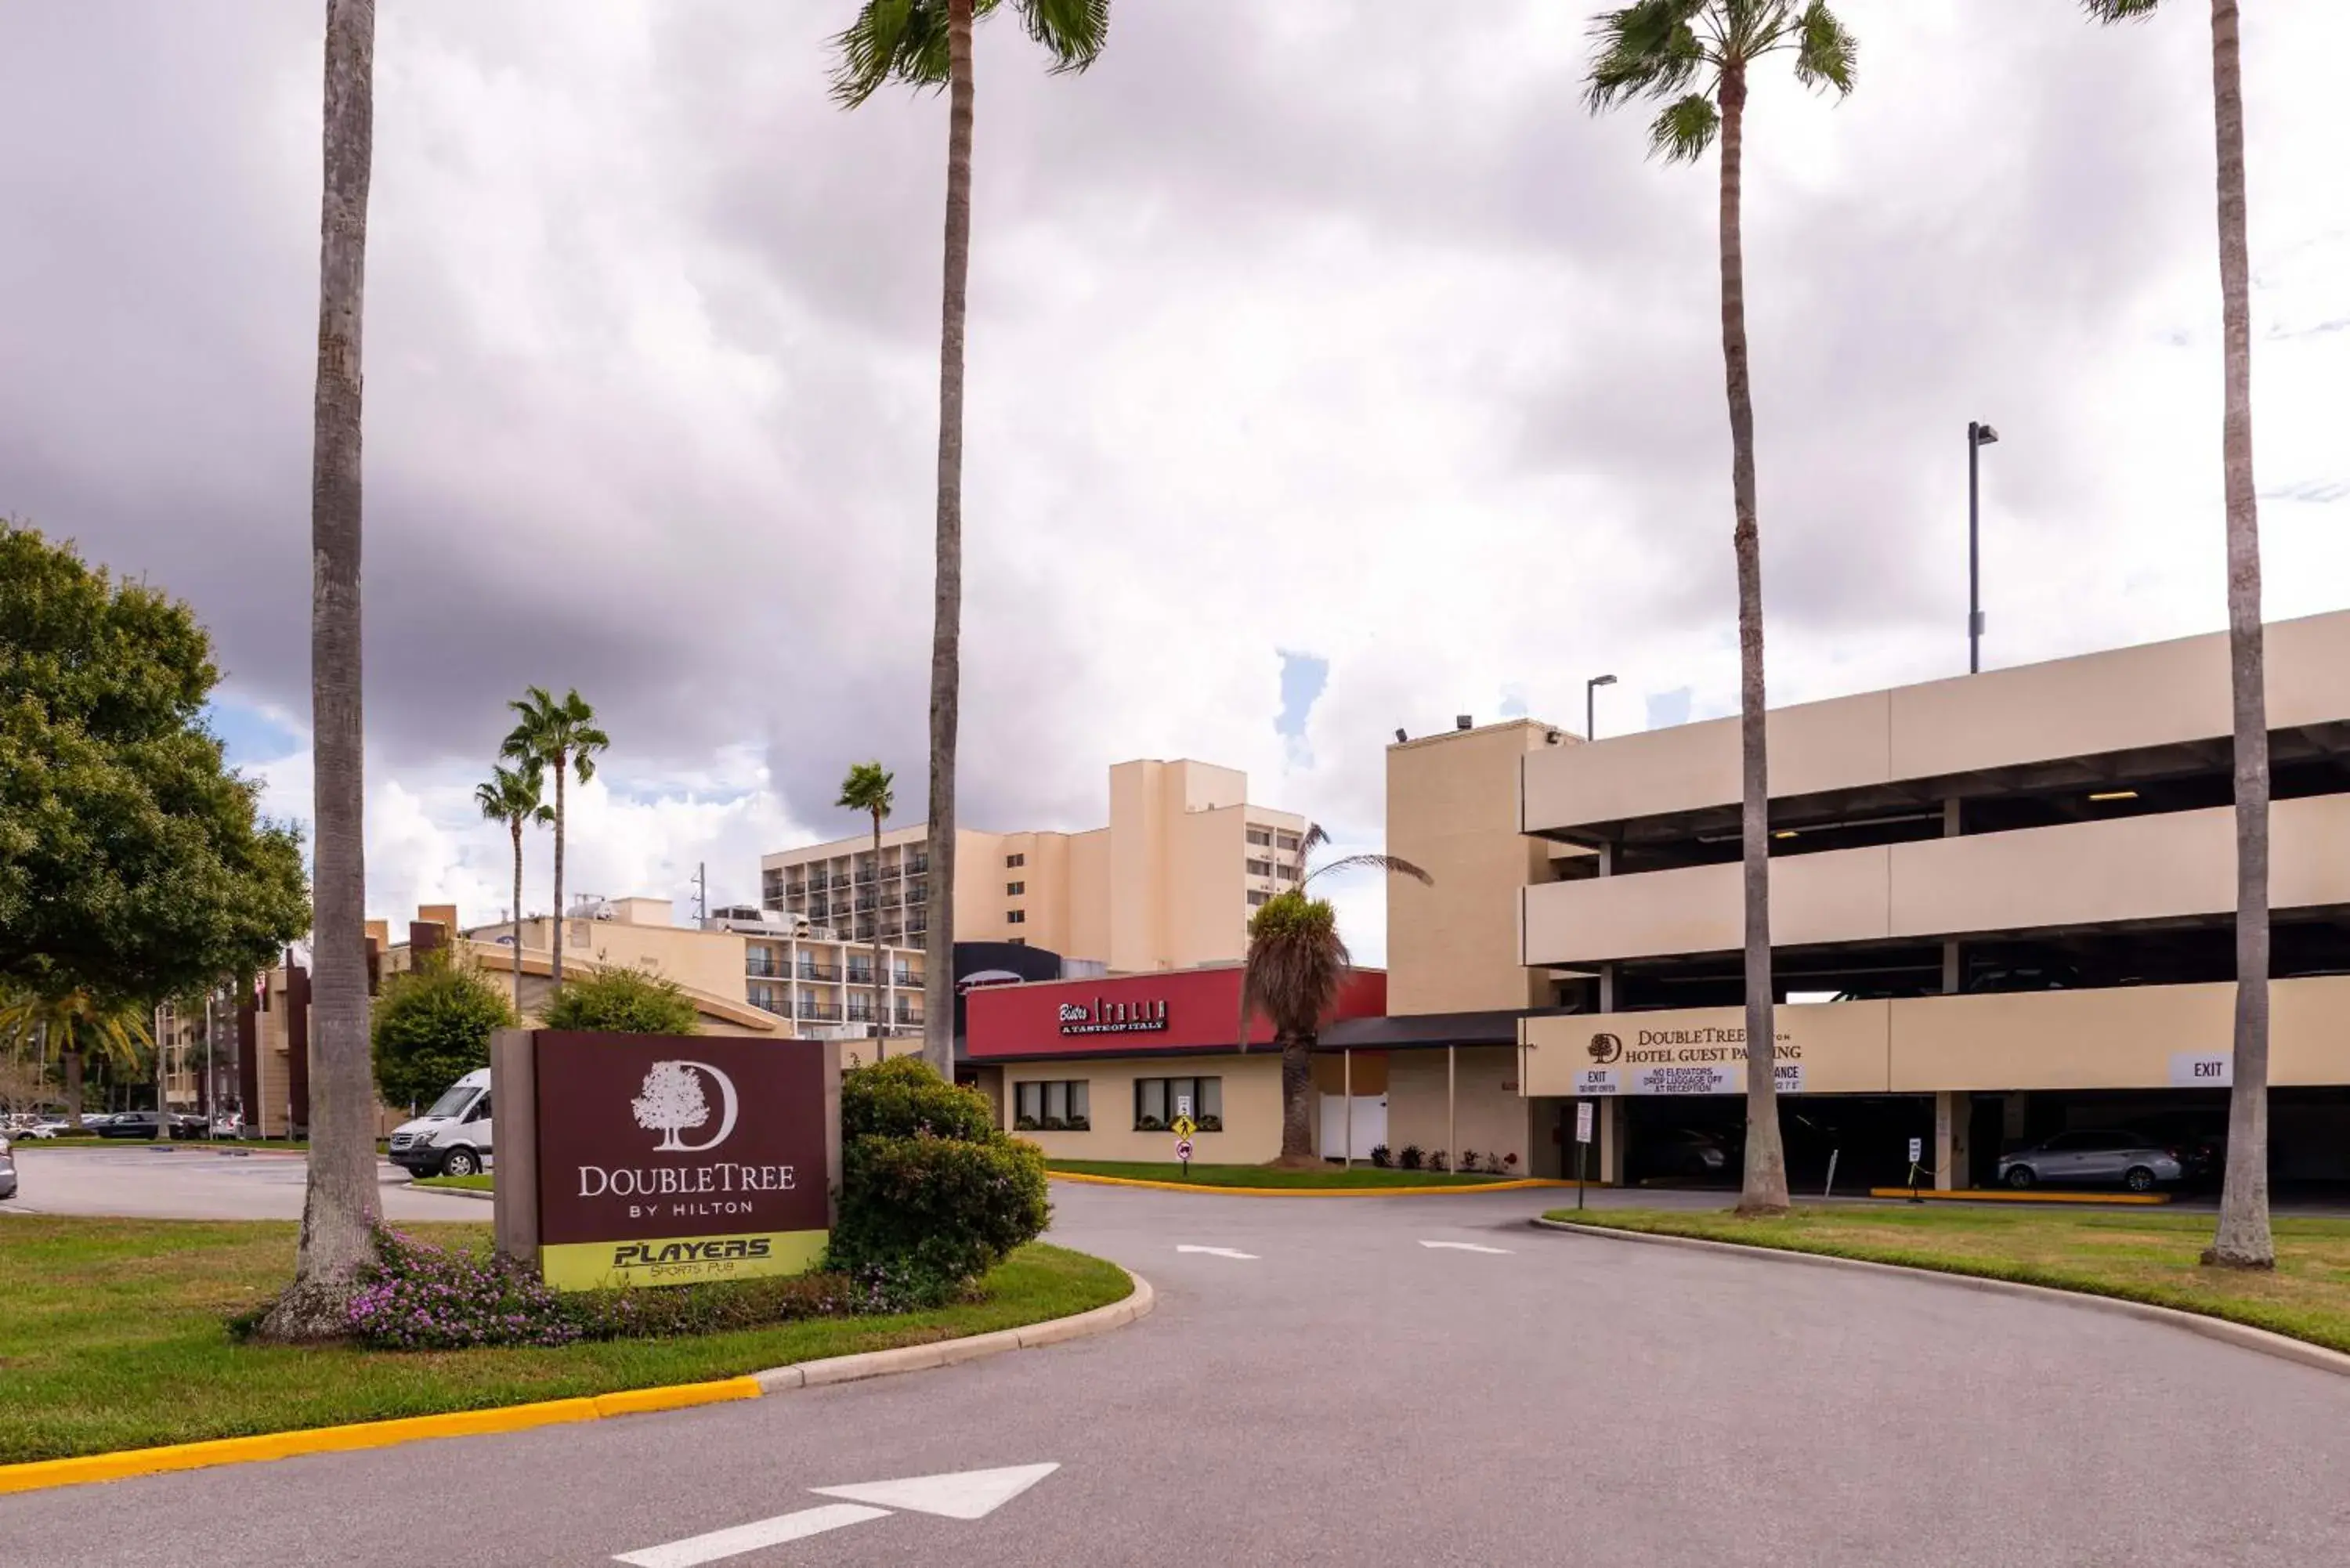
1184	1127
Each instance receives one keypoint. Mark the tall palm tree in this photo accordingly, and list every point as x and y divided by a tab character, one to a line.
79	1026
512	795
1662	49
2243	1240
562	737
866	788
1296	964
339	1206
926	44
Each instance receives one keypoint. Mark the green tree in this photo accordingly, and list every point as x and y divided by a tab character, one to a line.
340	1209
562	737
433	1026
79	1028
1663	50
926	45
623	1001
866	789
511	795
133	864
1296	964
2243	1240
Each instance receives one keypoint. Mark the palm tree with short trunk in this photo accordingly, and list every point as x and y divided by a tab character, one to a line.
561	736
867	789
2243	1240
926	44
340	1208
1695	56
513	795
1296	965
79	1026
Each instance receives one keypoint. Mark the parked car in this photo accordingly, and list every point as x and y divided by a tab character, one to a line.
1688	1152
7	1169
186	1126
2094	1158
94	1123
44	1127
130	1124
452	1137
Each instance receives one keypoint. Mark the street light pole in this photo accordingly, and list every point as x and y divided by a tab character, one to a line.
1979	436
1591	704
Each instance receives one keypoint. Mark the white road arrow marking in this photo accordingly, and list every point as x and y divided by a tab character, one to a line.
1218	1252
1467	1246
744	1537
966	1494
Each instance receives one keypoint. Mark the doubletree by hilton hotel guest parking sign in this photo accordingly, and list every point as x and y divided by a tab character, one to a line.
653	1159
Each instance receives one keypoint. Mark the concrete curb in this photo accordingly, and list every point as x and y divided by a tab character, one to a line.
2021	1195
948	1352
486	1196
42	1474
2244	1336
1516	1184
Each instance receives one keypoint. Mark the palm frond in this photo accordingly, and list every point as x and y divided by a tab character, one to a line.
1394	863
2120	10
904	41
1314	839
1650	47
1686	127
867	788
1072	31
1296	965
1824	50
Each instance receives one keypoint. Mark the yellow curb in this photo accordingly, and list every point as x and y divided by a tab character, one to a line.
2014	1195
120	1465
1517	1184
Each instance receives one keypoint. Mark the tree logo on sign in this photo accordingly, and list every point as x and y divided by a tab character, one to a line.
672	1102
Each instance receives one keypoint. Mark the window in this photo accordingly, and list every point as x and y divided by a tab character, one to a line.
1014	862
1260	867
1014	889
1262	838
1158	1101
1256	900
1288	841
1286	872
1015	941
1060	1105
1015	917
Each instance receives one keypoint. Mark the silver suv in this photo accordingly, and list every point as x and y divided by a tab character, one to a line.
2091	1158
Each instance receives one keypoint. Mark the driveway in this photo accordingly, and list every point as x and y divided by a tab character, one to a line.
190	1182
1403	1381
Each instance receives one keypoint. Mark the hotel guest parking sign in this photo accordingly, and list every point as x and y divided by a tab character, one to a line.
664	1160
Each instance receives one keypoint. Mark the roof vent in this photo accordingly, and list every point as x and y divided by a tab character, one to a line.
1462	722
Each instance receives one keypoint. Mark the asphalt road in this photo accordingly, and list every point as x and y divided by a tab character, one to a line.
190	1182
1347	1394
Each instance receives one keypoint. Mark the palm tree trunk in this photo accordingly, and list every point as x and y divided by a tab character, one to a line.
2243	1240
71	1057
946	627
1764	1190
555	963
340	1208
515	957
1297	1099
881	992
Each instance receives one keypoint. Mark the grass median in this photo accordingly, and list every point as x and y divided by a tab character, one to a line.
485	1182
1267	1176
113	1334
2137	1256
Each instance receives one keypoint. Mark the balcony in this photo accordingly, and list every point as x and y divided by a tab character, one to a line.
909	1016
808	970
794	889
859	975
768	968
917	865
819	1012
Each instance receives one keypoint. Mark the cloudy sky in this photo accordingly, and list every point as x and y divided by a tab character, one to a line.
1330	371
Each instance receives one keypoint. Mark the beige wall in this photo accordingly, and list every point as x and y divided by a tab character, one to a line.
1489	1115
2157	693
2152	866
700	960
1089	896
1252	1096
1452	809
1207	895
2116	1038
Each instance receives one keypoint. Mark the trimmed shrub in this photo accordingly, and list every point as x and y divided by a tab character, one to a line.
1410	1157
431	1027
932	1195
624	1002
1381	1157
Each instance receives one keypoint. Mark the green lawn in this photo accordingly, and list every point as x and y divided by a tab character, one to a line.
485	1182
2137	1255
1265	1176
112	1335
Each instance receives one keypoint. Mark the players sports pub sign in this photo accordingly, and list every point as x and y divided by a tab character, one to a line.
661	1159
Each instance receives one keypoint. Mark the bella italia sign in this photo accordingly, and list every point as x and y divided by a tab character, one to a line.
645	1159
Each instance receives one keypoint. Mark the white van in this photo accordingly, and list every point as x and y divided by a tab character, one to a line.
452	1138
